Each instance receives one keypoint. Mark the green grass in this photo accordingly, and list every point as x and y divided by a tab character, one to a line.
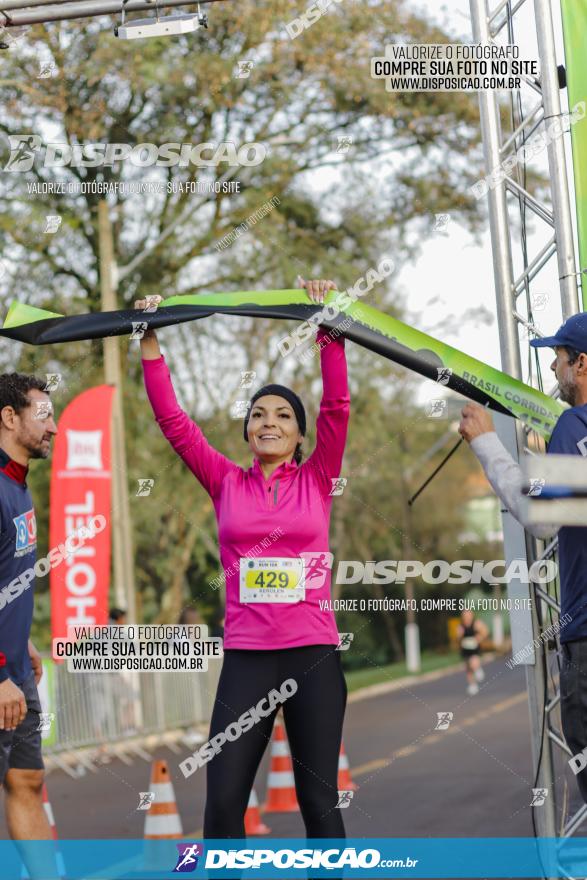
359	678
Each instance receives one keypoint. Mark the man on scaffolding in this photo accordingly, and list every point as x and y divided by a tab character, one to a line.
505	475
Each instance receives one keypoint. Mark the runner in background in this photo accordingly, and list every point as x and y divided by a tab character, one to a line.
273	523
117	617
471	633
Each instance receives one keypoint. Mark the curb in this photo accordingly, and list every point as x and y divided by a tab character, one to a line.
386	687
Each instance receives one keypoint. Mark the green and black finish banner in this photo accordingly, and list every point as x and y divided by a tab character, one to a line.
358	322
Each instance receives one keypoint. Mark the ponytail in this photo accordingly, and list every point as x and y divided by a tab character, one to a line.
298	456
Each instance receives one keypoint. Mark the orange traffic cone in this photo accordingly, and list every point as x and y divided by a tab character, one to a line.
281	792
253	822
49	813
51	820
345	783
162	820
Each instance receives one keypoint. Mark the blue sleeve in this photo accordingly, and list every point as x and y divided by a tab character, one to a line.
569	436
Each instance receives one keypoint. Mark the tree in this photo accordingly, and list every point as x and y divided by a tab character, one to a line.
334	214
406	160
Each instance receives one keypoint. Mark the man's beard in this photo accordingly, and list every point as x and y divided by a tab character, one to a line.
37	451
568	392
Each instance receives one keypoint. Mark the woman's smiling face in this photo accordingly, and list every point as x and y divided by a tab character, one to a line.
273	429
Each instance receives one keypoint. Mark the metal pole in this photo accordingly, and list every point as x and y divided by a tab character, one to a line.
412	631
27	4
514	535
123	569
19	13
559	184
498	216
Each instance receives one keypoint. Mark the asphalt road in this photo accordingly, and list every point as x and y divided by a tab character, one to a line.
473	779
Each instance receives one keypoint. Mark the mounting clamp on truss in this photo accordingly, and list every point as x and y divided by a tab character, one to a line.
169	25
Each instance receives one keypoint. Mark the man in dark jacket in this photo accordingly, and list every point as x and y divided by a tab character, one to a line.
27	427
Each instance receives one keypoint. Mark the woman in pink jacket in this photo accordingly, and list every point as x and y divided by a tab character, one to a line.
273	522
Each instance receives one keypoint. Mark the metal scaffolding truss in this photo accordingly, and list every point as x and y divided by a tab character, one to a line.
15	13
509	202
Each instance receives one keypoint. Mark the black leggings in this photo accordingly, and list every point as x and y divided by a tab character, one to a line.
313	719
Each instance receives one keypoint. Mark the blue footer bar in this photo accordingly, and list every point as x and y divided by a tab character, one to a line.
483	857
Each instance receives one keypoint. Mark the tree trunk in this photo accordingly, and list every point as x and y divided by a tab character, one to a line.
394	639
173	598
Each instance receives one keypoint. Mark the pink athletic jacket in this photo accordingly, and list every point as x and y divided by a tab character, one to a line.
285	516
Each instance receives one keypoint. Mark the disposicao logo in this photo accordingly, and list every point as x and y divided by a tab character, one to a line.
187	860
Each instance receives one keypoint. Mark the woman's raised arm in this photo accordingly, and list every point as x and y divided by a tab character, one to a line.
209	466
333	418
